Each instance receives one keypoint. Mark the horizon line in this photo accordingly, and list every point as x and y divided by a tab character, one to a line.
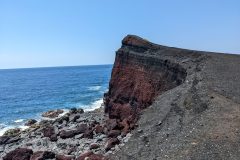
42	67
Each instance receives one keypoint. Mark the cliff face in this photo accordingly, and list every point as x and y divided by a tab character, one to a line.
137	79
185	103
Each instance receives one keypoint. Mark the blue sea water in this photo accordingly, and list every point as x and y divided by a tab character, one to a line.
26	93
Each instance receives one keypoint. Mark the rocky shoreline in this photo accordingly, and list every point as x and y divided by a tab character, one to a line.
184	104
74	135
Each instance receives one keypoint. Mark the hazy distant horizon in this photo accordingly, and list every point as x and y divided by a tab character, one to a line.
42	67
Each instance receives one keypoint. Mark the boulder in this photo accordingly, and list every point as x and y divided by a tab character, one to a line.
48	131
42	155
13	139
88	133
84	155
74	117
91	156
73	110
111	124
19	154
82	128
67	134
53	138
62	119
114	133
98	129
111	143
30	122
4	139
12	132
52	113
125	125
94	146
65	157
80	110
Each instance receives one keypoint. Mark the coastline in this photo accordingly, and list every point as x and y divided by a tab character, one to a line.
19	123
79	132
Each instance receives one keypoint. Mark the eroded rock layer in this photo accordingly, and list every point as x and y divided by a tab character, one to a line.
138	78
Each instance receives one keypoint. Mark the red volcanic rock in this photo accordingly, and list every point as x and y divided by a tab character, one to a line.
94	146
121	111
48	131
41	155
19	154
67	134
137	78
111	124
88	133
125	125
82	128
111	143
98	129
136	41
114	133
84	155
65	157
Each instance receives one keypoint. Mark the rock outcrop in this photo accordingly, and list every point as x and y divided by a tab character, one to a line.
184	103
138	77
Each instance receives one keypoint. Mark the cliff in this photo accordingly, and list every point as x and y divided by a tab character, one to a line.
184	103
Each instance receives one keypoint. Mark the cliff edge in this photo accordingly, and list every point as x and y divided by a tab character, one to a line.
176	103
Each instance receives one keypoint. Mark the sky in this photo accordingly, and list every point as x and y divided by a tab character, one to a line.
43	33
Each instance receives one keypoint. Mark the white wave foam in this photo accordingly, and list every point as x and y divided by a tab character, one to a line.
3	130
94	105
19	120
94	88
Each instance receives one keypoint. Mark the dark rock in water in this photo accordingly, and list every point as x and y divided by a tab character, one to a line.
19	154
42	155
12	132
30	122
111	143
53	113
73	111
80	110
76	110
65	157
114	133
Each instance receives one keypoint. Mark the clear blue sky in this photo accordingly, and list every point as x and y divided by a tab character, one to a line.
38	33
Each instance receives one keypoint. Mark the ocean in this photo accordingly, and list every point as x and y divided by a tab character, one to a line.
27	93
